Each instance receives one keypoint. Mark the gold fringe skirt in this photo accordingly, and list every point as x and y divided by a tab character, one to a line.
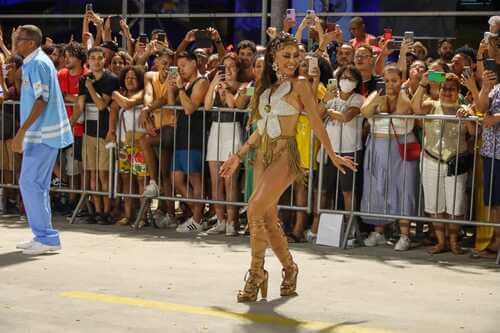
271	150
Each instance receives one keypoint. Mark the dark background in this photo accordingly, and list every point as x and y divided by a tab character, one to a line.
467	30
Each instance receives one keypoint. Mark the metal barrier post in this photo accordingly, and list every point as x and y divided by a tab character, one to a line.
263	23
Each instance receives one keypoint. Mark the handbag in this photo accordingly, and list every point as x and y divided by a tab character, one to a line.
410	151
464	162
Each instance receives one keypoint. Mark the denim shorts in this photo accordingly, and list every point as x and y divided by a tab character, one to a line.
188	161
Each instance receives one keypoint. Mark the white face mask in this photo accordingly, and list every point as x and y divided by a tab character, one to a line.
347	85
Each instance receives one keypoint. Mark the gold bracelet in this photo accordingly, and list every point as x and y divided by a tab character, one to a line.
239	156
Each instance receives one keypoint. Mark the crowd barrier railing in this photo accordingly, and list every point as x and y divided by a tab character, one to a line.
381	169
209	123
464	194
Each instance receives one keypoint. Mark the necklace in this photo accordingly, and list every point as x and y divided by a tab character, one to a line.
267	107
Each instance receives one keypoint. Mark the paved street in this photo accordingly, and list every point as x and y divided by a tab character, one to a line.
112	279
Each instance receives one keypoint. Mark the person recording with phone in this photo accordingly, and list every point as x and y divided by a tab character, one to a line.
160	126
344	128
224	140
94	98
188	88
203	39
489	104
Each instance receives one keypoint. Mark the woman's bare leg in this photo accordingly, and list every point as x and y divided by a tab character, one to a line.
217	185
262	212
301	217
232	194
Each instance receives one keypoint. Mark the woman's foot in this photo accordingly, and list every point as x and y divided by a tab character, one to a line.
292	238
254	281
438	248
123	221
455	248
374	239
289	283
486	254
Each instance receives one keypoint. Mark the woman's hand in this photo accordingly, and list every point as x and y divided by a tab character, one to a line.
464	112
229	167
272	32
190	36
342	163
469	81
384	46
288	24
490	121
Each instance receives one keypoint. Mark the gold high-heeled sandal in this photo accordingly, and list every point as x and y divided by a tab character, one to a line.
289	283
253	283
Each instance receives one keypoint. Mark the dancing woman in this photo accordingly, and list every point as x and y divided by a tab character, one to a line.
277	104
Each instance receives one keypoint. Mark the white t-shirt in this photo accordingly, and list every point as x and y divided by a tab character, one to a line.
345	137
129	121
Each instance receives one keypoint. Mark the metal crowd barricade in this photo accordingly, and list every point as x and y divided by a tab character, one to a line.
66	157
114	189
205	197
420	216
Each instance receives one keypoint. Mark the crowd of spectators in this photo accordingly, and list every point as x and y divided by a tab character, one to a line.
121	96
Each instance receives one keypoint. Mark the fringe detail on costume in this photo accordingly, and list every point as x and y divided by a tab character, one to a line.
267	147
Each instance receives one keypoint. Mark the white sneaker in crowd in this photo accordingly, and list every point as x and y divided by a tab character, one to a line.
152	190
218	228
310	236
403	244
231	230
190	226
38	248
25	245
375	239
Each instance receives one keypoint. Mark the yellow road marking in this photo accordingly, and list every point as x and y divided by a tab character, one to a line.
221	313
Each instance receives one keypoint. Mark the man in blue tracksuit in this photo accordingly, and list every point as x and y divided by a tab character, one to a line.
45	129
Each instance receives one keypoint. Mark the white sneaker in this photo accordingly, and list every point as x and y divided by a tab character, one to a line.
151	191
190	226
218	228
231	230
25	245
403	244
204	226
375	239
38	248
310	236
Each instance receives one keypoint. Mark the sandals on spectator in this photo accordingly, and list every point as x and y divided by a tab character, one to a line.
483	255
123	221
295	239
438	248
456	249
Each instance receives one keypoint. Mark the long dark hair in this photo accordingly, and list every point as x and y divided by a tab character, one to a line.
268	74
